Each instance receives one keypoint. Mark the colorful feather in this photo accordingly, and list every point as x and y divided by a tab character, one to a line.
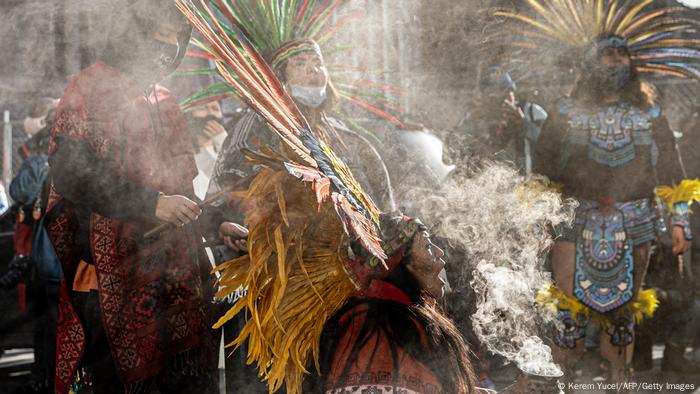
296	272
269	24
555	25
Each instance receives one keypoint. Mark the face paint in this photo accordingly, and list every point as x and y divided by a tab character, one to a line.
310	96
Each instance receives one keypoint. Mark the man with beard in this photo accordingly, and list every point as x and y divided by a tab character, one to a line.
627	150
132	309
610	147
204	117
208	135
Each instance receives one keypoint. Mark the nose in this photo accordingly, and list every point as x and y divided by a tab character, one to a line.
315	70
439	253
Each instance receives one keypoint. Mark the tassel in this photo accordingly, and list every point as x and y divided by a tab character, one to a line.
36	213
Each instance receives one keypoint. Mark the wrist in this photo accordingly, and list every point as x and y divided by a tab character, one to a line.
680	217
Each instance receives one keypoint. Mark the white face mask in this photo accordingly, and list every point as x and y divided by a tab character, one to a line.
34	125
310	96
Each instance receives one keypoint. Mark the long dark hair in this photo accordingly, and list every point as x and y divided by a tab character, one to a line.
445	354
588	91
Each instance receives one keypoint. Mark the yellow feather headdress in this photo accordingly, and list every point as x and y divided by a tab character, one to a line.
661	39
303	210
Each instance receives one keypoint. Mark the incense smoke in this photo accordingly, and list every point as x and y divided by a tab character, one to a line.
503	226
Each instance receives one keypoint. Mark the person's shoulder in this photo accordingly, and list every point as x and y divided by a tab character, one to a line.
93	85
92	76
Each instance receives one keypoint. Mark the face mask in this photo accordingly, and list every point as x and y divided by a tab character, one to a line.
34	125
166	59
310	96
617	76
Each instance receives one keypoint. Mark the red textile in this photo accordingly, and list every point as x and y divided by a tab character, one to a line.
150	291
384	291
23	239
374	370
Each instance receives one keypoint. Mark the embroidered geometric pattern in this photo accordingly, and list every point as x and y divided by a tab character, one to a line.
604	279
573	328
371	389
383	382
613	134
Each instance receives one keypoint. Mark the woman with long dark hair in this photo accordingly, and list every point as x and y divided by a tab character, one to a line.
393	337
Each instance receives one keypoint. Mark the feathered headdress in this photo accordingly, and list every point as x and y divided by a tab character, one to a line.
302	209
661	40
282	28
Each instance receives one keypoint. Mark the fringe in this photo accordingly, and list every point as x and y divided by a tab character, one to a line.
642	307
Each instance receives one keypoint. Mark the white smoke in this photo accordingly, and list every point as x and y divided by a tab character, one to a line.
504	228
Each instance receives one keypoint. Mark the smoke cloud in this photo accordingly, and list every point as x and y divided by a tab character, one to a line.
503	225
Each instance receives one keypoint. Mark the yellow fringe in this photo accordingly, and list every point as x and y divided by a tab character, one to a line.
294	274
687	191
643	307
551	298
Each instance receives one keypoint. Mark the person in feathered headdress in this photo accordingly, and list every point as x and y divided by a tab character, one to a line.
289	42
323	260
290	34
610	146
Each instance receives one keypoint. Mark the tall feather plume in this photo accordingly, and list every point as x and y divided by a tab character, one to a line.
271	23
662	40
295	272
241	65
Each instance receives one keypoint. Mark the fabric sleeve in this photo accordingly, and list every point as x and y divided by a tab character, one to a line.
668	167
84	179
670	172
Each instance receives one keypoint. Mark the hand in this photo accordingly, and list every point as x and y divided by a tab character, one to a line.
510	112
680	244
213	128
177	210
234	236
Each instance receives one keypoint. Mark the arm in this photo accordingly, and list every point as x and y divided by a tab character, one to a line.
670	173
668	167
86	180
